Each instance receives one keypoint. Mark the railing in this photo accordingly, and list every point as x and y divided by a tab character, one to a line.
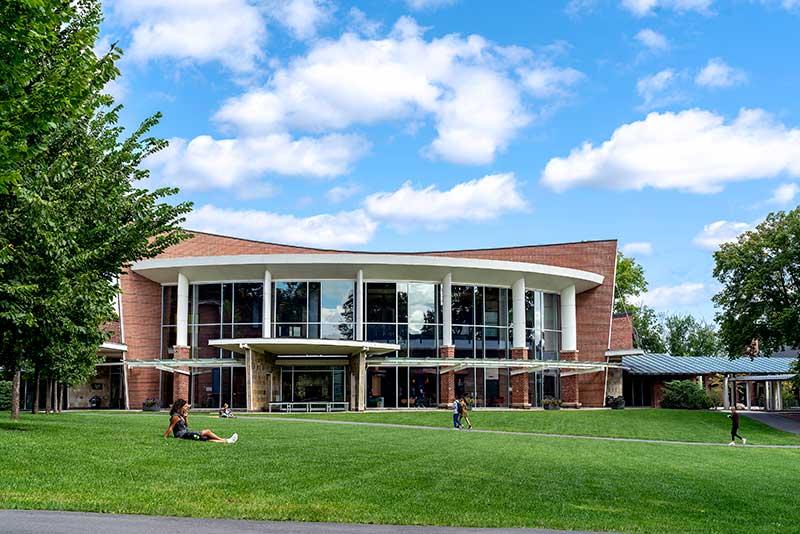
306	407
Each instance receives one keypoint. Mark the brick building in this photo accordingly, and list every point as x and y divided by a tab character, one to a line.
260	326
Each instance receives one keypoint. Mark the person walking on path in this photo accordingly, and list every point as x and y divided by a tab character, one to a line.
464	413
456	415
734	417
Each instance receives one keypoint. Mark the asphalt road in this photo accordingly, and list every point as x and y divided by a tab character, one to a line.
37	522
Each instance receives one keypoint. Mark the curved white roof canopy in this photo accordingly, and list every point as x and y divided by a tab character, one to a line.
375	267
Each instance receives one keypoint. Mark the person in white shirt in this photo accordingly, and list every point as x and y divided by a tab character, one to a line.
456	414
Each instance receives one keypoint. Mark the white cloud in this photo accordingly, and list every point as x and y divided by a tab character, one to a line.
693	150
642	8
652	39
546	81
468	86
232	32
359	22
482	199
301	17
340	193
325	230
638	248
717	73
420	5
652	89
718	232
205	162
668	297
785	194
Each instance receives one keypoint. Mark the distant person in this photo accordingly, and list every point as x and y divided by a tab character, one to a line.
464	413
456	415
734	417
226	413
179	426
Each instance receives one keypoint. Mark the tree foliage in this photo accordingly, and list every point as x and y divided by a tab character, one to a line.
685	394
760	277
629	283
74	217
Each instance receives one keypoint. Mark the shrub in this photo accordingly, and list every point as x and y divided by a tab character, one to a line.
685	394
551	403
5	395
615	403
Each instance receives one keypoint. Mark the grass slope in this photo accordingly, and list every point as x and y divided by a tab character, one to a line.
670	425
316	472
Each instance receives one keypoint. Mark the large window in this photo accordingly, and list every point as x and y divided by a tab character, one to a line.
543	325
406	313
304	384
480	322
316	310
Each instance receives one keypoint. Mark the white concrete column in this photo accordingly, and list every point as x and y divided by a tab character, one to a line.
362	381
569	336
447	310
183	311
518	307
726	396
747	394
267	313
360	305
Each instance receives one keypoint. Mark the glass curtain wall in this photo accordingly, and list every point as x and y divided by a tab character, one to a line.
406	313
481	330
315	310
215	311
543	335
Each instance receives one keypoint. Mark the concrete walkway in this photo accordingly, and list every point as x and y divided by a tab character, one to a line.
289	419
36	522
786	422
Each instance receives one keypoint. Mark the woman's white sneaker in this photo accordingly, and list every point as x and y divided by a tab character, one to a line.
234	438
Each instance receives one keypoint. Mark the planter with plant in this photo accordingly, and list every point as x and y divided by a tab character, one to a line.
615	403
551	403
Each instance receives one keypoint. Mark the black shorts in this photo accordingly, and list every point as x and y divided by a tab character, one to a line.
194	436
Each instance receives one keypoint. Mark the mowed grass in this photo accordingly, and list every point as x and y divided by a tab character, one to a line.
666	425
288	470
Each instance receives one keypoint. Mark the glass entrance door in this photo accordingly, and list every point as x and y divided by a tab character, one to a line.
319	384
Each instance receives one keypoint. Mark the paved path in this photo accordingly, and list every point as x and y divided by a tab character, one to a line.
36	522
290	419
785	422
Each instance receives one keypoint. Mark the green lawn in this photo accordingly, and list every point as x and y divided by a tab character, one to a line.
671	425
317	472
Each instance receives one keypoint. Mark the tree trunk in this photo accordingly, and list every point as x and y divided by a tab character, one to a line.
48	400
15	395
59	396
36	394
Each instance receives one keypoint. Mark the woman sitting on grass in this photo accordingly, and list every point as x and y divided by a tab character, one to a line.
179	426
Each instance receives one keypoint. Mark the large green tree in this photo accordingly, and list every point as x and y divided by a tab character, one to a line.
74	216
629	283
760	277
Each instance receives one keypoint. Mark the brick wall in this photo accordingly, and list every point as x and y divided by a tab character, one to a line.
520	387
113	328
141	311
621	332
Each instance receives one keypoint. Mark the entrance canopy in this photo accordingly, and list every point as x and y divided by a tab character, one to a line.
568	368
304	347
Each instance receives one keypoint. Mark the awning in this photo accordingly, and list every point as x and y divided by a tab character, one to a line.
304	347
567	368
763	378
171	365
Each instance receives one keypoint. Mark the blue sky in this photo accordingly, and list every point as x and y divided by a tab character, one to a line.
670	125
